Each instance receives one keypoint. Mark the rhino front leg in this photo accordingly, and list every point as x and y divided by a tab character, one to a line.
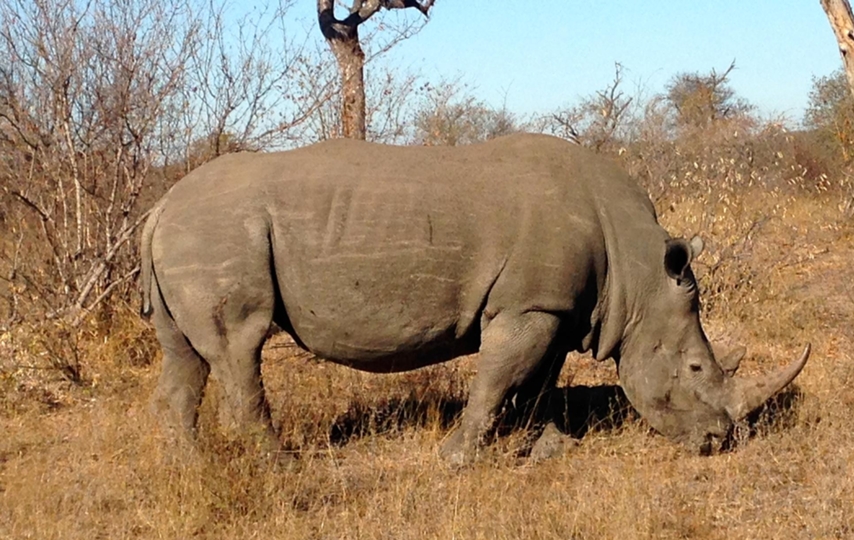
512	347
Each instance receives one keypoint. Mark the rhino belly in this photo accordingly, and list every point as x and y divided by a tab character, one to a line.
380	312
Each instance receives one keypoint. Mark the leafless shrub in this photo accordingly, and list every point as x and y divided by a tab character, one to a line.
449	114
81	102
389	95
390	98
102	106
701	100
710	181
830	115
598	121
249	85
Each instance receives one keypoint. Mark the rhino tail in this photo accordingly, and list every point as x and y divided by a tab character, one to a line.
147	262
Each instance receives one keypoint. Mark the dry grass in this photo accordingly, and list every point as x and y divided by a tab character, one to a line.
87	461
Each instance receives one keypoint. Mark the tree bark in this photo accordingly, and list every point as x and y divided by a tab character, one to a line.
842	21
348	52
343	38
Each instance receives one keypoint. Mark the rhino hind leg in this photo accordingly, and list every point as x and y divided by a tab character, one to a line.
513	346
229	336
225	324
182	378
245	409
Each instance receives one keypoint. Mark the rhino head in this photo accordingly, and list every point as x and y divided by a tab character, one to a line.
668	368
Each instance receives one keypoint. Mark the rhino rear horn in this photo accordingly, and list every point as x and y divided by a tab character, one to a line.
748	394
730	361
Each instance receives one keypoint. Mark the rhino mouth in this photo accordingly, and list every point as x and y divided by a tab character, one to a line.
709	430
706	441
713	444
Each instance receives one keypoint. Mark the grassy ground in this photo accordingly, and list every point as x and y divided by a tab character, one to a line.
88	461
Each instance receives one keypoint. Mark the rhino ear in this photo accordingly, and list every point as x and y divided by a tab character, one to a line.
679	254
677	257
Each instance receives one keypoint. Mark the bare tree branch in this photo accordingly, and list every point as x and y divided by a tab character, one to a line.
597	121
79	313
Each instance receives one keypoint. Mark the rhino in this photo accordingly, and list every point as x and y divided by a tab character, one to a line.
387	259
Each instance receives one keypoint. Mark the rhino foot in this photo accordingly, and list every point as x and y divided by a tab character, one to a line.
279	460
550	444
457	452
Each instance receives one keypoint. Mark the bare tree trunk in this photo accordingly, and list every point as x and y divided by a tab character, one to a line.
343	38
351	63
842	21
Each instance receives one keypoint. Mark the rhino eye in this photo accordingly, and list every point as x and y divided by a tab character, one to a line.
695	367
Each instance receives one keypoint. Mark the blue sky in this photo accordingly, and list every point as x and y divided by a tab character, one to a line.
538	57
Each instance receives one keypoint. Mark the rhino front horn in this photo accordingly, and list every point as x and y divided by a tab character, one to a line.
748	394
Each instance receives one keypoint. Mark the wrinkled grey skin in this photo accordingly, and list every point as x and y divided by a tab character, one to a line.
387	259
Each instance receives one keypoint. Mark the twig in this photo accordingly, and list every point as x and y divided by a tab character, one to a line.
101	266
81	313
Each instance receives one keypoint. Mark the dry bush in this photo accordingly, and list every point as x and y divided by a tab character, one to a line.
830	115
389	93
53	364
702	100
103	106
103	102
731	182
450	115
599	121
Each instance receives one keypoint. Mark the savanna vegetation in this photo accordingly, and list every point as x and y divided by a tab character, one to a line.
104	105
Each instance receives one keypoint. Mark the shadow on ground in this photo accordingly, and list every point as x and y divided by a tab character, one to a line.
395	414
575	411
780	413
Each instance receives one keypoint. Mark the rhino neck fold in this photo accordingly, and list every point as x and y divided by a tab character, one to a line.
631	236
610	312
